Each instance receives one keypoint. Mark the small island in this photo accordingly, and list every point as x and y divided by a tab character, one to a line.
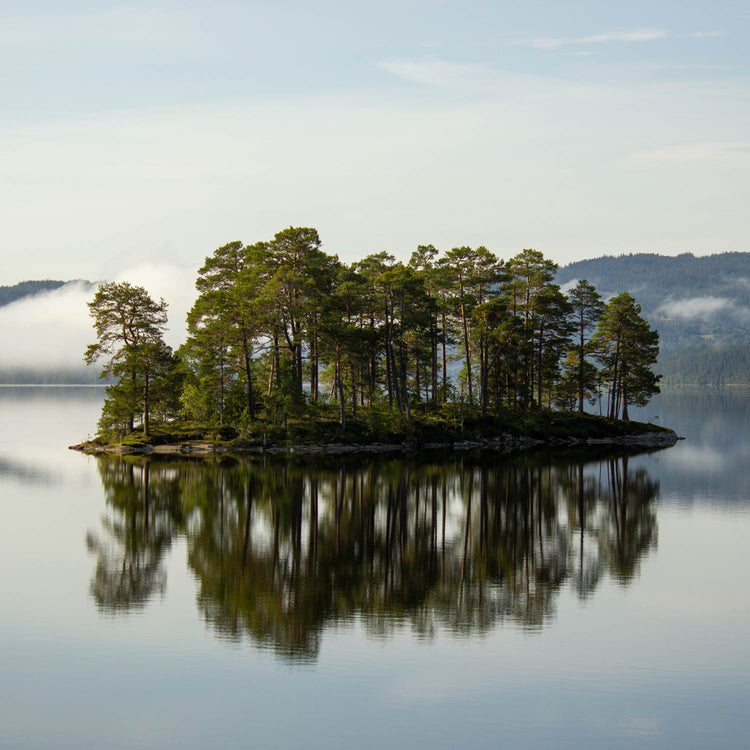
290	350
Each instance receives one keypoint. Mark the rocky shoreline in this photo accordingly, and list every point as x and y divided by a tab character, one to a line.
499	444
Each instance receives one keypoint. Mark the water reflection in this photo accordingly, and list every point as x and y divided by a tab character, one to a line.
24	472
144	516
282	550
709	466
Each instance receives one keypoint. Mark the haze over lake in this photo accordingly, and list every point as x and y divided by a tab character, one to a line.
576	599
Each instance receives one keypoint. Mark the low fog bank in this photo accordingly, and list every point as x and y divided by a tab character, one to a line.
43	337
706	308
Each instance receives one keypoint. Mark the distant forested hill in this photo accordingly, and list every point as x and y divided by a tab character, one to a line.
13	293
42	367
700	306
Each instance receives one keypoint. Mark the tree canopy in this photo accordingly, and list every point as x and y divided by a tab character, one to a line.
129	329
280	330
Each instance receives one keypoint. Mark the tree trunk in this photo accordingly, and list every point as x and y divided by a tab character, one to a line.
613	408
314	366
404	388
434	351
248	374
146	404
131	417
445	364
539	368
483	374
580	372
340	385
467	351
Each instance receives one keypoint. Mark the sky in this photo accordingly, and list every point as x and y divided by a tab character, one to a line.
143	136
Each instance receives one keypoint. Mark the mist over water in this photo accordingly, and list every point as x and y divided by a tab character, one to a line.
49	332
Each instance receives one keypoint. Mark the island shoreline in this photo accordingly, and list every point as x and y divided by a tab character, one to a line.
505	443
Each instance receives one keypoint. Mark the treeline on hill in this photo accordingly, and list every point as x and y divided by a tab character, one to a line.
657	279
699	304
707	366
282	332
23	289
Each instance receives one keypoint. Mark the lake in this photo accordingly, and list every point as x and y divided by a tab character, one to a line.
570	599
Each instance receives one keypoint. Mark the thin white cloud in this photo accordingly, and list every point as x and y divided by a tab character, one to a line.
636	35
436	73
693	152
716	33
132	27
373	171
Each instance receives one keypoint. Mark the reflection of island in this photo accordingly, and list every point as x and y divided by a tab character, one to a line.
145	509
282	550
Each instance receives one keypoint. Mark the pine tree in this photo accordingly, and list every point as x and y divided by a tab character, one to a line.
587	310
129	328
627	348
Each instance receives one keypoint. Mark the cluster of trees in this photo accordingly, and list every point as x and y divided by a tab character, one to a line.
282	326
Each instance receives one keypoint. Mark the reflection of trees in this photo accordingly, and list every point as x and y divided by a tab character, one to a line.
281	550
145	507
631	527
612	507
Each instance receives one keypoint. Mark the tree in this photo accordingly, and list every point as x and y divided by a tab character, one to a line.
572	377
627	348
552	330
300	275
422	262
531	275
223	323
470	274
587	310
129	328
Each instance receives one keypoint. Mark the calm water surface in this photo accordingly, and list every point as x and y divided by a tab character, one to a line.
550	600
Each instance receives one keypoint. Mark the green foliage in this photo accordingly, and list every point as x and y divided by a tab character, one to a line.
587	309
129	327
627	348
286	343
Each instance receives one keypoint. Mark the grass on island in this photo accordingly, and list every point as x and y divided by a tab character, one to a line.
428	424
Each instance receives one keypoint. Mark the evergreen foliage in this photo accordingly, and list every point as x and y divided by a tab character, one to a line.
282	335
627	348
129	328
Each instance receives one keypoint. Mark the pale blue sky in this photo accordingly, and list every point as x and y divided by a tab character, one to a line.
136	133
